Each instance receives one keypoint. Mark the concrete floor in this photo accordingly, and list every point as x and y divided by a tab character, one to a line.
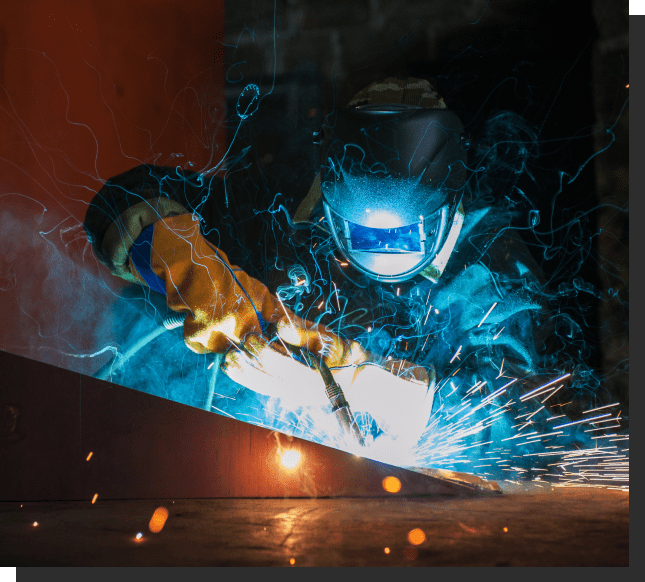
560	527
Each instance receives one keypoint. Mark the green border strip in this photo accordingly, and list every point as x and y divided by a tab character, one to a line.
636	7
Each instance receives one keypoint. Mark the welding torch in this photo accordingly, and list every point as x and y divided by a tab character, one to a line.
339	404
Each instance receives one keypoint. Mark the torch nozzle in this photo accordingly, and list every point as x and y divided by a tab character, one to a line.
339	405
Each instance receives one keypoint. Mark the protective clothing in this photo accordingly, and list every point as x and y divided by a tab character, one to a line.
482	314
229	311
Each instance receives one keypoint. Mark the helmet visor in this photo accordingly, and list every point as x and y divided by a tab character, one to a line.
390	254
404	239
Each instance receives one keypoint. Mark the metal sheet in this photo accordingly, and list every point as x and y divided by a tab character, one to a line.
144	446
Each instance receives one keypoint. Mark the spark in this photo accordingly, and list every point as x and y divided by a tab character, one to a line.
337	298
601	407
485	316
538	410
551	394
583	420
96	495
499	333
427	315
386	550
398	289
456	355
416	536
603	428
501	369
541	388
158	519
89	456
320	304
509	383
391	484
210	365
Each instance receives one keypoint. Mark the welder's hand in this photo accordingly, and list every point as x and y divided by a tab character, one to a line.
270	369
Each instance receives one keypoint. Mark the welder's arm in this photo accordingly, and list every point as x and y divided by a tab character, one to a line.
223	304
227	310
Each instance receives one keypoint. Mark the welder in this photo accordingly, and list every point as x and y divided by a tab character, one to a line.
392	209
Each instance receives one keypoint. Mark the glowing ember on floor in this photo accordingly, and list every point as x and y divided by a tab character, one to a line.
416	537
158	520
391	484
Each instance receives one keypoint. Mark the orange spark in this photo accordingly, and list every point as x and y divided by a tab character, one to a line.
89	456
505	529
96	495
387	550
292	561
158	520
391	484
416	537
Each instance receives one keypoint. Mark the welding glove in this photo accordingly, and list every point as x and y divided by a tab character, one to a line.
226	310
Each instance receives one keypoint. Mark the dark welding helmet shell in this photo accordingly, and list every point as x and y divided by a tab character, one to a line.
392	179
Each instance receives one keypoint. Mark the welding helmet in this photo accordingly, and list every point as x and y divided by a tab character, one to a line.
392	178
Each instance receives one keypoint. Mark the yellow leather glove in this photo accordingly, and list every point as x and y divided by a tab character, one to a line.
226	311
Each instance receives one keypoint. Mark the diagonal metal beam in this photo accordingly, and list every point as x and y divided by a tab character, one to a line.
144	446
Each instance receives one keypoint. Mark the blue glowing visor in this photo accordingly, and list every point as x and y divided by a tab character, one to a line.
404	239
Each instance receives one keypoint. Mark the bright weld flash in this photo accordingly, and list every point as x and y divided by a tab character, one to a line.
290	459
